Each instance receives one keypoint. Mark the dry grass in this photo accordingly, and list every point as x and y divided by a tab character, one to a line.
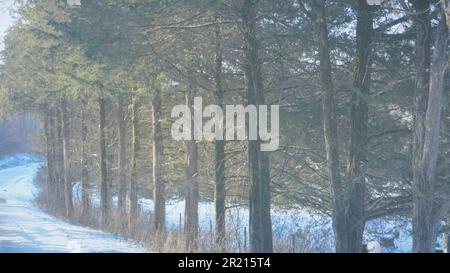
174	240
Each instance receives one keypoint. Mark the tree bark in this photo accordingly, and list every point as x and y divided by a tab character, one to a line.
219	145
51	181
422	193
66	167
55	134
60	160
85	197
192	194
104	187
446	242
446	7
260	226
122	158
133	209
330	128
427	209
358	129
159	199
53	155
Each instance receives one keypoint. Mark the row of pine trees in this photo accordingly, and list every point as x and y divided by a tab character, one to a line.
102	76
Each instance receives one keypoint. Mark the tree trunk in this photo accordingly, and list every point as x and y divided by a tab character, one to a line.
192	194
60	160
55	137
422	193
358	129
219	155
85	198
51	185
104	187
133	209
427	210
446	7
159	199
260	226
53	155
330	128
122	158
446	242
66	167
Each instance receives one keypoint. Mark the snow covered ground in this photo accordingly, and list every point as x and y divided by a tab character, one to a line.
25	228
312	231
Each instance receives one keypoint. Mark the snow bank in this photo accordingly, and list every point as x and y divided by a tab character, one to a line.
25	228
18	160
286	223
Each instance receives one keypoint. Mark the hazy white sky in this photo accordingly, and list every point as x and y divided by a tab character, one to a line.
6	19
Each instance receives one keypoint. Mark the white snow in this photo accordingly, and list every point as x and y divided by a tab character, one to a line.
26	228
310	228
373	247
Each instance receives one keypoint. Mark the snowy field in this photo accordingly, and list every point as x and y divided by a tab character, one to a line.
312	231
26	228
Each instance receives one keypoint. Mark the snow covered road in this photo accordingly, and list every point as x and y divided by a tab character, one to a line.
26	228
